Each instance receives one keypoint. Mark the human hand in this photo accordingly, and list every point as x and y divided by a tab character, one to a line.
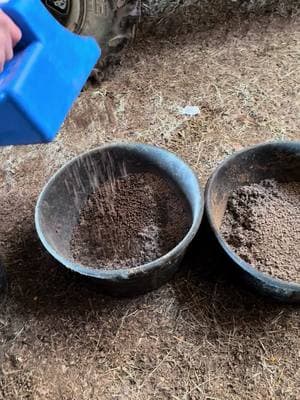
10	35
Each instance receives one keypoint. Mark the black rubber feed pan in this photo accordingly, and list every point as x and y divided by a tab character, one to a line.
62	198
277	160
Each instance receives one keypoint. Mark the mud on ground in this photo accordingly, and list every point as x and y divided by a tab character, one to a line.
198	337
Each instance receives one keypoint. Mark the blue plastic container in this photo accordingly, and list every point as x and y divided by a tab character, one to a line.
40	84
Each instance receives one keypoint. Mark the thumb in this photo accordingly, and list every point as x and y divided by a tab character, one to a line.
14	30
16	33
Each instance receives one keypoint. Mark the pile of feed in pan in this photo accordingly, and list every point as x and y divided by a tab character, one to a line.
262	225
130	220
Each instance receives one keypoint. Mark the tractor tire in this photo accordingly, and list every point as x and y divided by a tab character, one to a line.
111	22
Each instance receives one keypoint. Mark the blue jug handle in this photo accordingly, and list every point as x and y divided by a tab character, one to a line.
16	10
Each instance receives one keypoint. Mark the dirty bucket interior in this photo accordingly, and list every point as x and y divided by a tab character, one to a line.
280	161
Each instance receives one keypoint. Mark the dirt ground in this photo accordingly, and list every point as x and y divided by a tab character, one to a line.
198	337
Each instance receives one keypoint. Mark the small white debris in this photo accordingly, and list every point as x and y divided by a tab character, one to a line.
189	110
